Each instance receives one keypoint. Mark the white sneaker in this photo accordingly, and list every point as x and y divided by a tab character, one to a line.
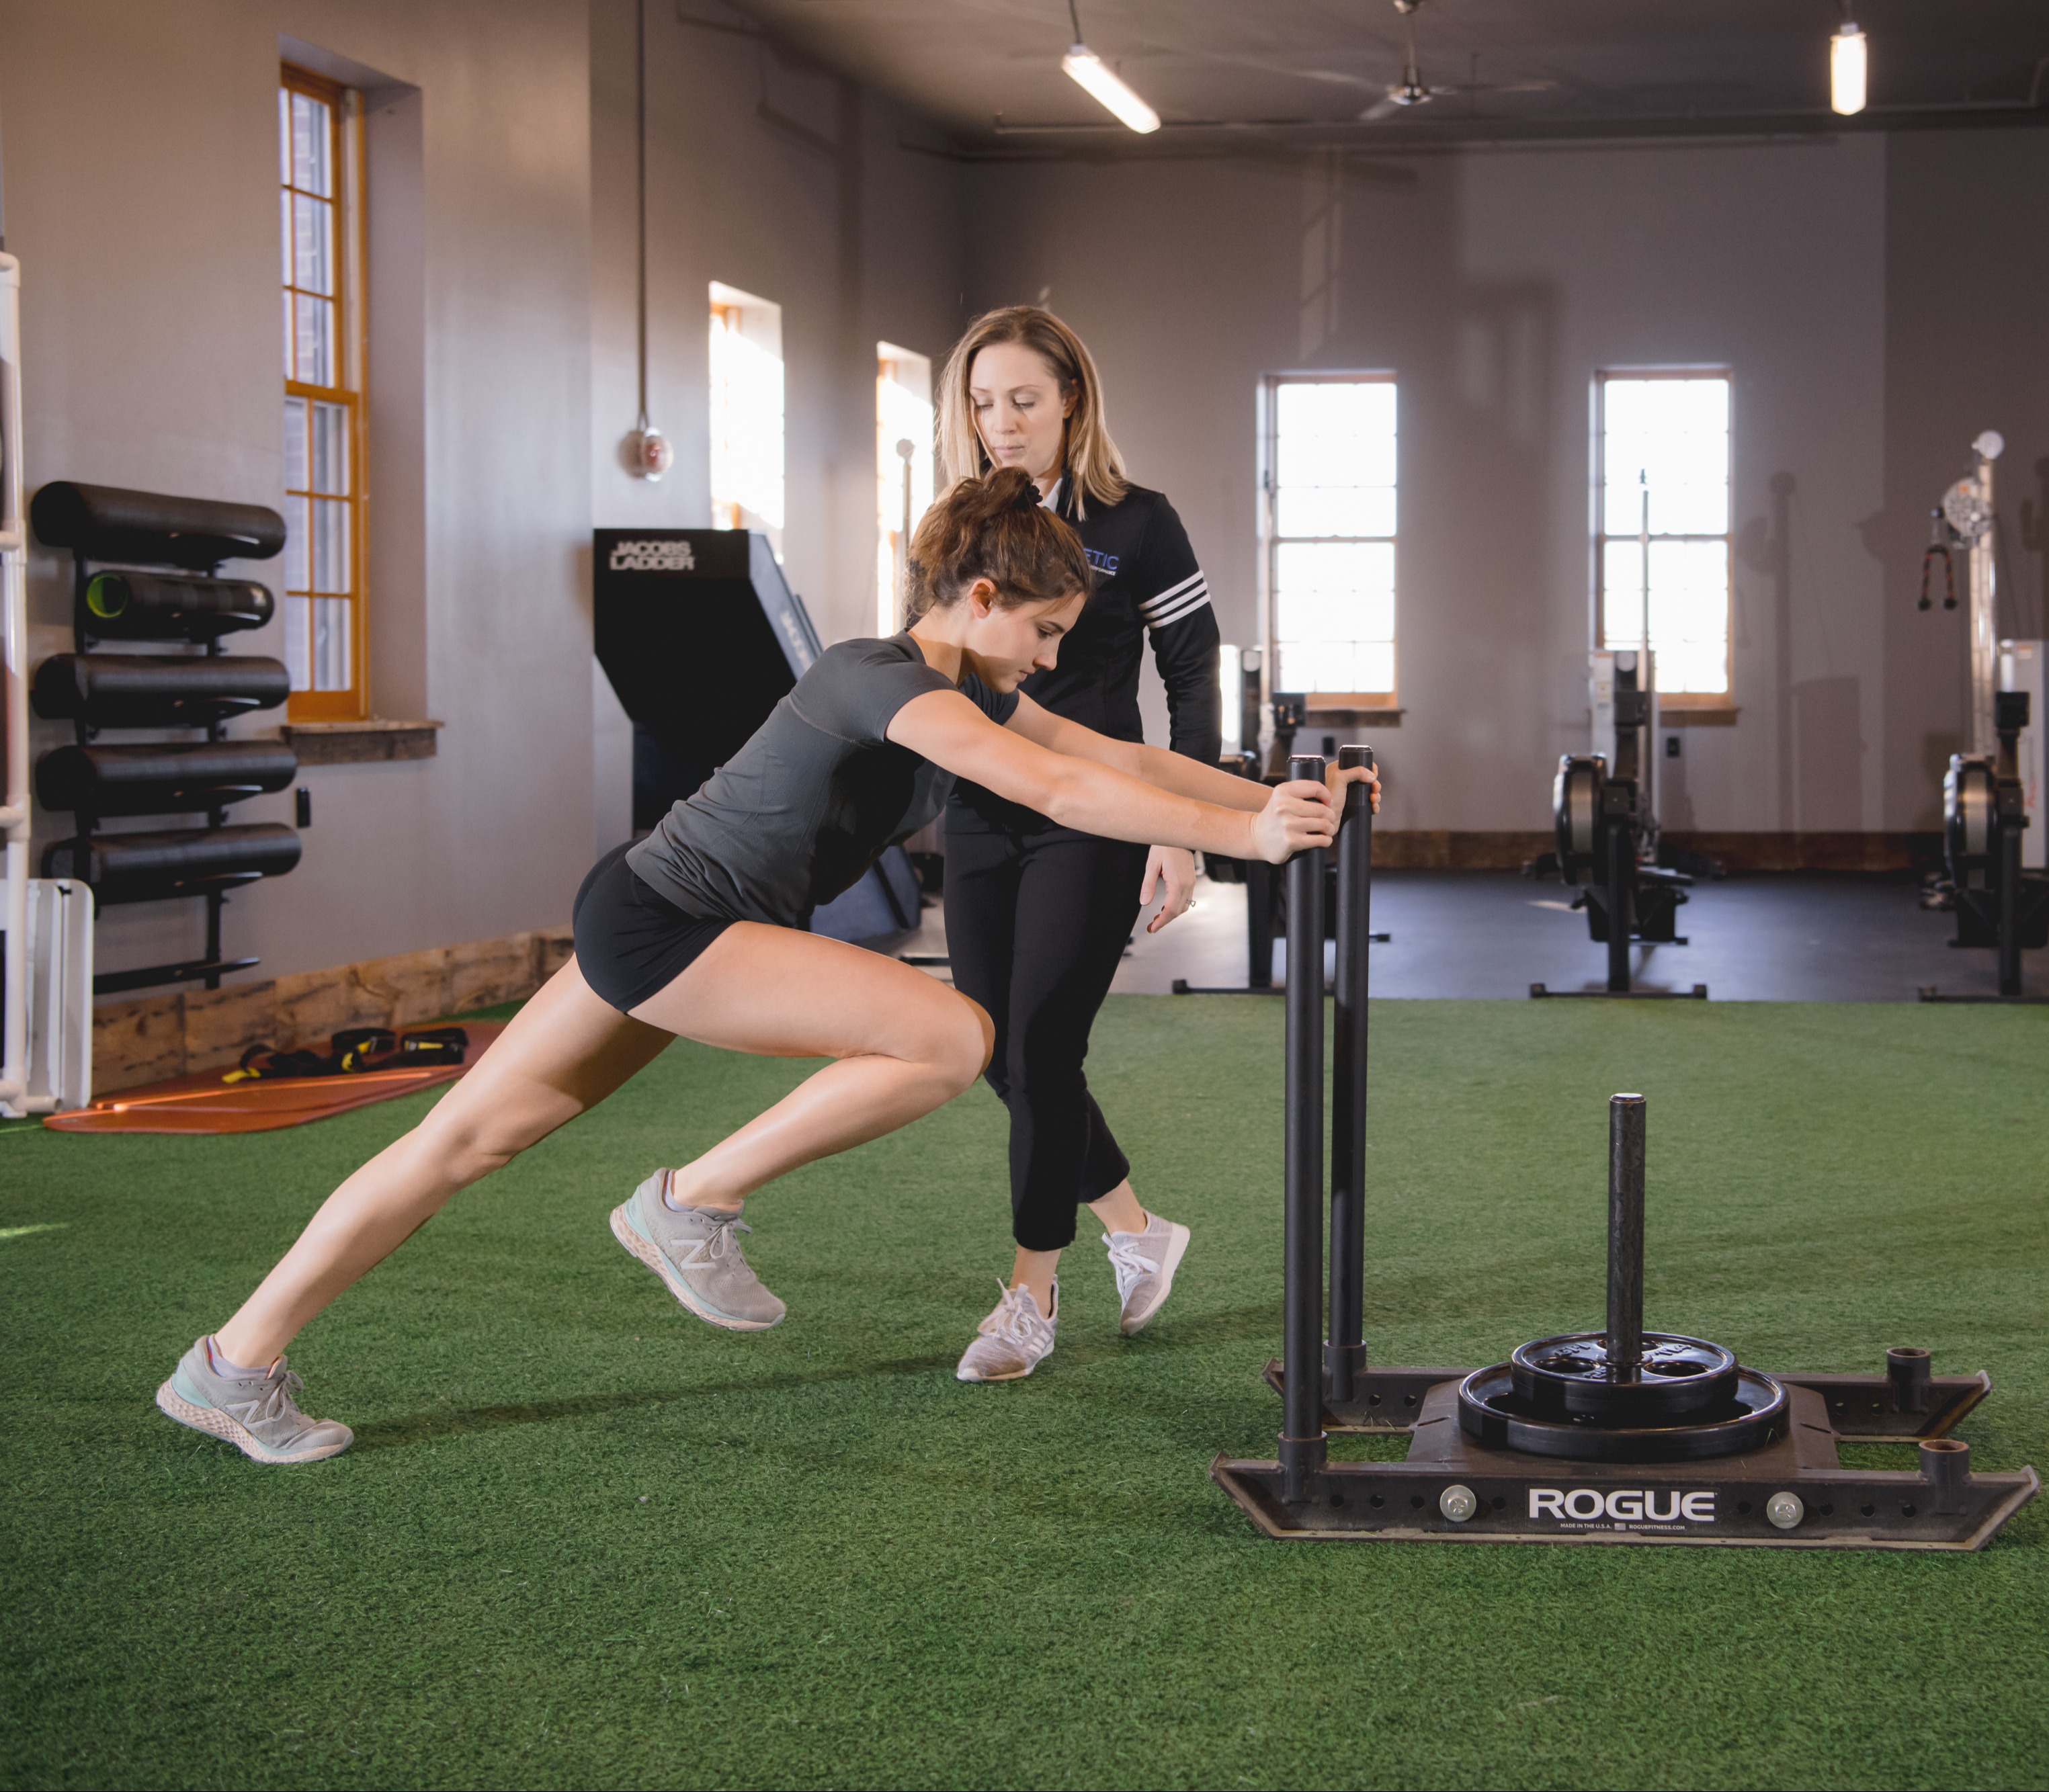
1013	1341
1145	1262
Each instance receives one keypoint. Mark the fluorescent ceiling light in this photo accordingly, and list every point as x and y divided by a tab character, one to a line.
1089	71
1846	67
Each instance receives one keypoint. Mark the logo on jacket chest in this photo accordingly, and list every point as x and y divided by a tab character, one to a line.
1104	563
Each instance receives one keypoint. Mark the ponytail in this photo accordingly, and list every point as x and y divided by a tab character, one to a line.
994	527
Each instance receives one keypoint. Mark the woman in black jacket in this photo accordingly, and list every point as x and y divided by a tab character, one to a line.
1038	914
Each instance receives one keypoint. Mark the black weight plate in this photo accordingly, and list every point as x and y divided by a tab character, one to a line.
1493	1414
1571	1375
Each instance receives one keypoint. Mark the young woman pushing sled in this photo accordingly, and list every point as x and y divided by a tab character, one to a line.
697	932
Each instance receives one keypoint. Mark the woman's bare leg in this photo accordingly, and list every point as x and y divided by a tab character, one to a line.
905	1044
564	1052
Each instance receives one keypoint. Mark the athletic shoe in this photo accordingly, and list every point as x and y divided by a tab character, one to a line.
1145	1262
694	1251
253	1410
1013	1341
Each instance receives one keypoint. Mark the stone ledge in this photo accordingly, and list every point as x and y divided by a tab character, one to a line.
177	1033
357	743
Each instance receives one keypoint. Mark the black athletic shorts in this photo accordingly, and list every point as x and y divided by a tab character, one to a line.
631	941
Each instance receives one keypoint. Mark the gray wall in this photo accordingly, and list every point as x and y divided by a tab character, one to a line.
502	367
148	245
788	183
1495	283
1966	349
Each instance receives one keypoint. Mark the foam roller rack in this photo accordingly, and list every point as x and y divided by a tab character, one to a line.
146	577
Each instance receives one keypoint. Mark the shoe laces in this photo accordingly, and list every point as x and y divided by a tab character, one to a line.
279	1386
1129	1260
1017	1318
719	1244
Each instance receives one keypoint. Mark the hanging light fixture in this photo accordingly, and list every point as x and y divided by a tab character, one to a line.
1846	69
647	451
1089	72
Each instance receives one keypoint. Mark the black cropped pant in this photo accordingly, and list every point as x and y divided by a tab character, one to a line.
1035	924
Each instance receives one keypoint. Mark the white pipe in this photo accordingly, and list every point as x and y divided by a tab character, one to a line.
14	650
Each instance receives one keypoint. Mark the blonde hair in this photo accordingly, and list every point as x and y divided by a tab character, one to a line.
1088	456
995	528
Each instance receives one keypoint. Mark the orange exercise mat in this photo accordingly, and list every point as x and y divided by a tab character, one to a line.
205	1104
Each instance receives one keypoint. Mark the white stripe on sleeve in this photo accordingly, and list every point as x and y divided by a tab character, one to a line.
1185	606
1161	601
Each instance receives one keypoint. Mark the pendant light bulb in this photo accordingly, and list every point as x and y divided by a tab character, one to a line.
649	453
1846	69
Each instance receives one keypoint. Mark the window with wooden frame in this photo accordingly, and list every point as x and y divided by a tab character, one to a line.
747	412
903	482
320	208
1329	450
1662	539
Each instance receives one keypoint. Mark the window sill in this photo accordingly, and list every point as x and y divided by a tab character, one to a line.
1353	715
1703	715
357	743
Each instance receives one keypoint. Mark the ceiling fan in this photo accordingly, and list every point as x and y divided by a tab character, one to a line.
1410	91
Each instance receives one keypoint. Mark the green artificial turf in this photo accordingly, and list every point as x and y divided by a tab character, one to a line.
584	1540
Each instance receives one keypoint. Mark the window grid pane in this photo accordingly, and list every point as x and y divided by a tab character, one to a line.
311	162
1665	477
330	642
330	457
313	244
1333	522
298	635
315	344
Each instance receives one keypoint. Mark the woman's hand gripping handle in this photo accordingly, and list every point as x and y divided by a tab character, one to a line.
1302	813
1337	774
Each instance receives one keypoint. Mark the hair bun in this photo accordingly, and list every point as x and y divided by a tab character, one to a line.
995	527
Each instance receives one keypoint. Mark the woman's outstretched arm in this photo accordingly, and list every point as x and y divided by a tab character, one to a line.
1095	796
1169	770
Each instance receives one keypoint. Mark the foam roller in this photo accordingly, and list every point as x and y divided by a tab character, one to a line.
160	607
104	523
154	690
161	780
184	861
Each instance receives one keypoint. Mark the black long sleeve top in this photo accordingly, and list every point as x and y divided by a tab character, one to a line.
1148	584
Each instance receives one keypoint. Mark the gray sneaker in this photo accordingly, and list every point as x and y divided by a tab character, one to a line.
253	1413
1145	1262
1013	1341
694	1251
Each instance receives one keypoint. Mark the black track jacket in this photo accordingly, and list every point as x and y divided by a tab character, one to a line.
1147	583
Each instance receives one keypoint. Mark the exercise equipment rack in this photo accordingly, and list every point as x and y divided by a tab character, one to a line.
1607	831
1997	904
180	600
1619	1437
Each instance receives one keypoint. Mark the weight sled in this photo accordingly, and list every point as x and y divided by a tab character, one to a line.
1622	1436
1791	1492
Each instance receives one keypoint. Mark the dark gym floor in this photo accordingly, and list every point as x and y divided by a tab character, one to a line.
1491	933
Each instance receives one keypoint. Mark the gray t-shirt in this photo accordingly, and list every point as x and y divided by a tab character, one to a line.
801	811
